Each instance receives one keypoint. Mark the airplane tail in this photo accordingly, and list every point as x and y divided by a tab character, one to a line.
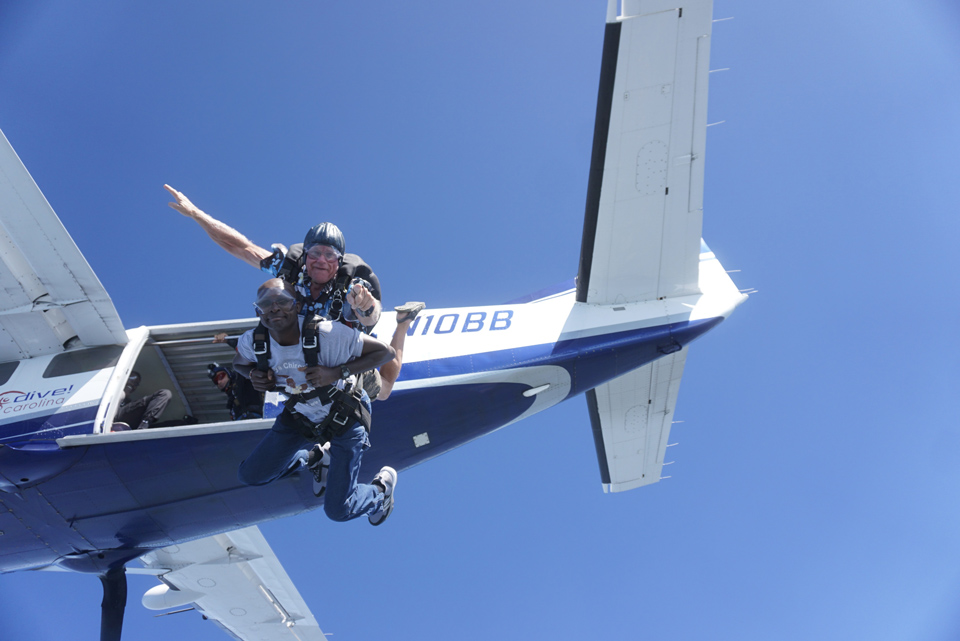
643	220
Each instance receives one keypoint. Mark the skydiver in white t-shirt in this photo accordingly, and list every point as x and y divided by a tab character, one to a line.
342	353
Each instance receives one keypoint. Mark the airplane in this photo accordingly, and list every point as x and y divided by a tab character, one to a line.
81	498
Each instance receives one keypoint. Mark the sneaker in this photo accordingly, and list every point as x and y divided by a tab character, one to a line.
119	427
320	467
386	478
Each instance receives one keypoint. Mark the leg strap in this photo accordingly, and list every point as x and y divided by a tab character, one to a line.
346	409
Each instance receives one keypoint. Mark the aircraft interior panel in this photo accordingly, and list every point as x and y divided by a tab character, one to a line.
155	375
181	354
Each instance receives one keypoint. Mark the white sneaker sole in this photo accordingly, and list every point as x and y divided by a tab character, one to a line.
320	487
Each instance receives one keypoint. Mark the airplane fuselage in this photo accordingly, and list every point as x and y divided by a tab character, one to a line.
71	488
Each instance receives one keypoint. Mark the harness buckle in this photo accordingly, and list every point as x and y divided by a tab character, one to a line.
336	309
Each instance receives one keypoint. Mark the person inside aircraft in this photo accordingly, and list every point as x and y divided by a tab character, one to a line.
222	337
327	411
142	413
243	401
328	281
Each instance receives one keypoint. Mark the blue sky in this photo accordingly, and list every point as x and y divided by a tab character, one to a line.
816	479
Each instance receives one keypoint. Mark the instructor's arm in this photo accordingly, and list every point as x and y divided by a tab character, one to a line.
374	354
227	237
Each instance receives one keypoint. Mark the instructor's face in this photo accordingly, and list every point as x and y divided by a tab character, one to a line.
322	264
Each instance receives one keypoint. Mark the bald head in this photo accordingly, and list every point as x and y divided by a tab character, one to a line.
275	283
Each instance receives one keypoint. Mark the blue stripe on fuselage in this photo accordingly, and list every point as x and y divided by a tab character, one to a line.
50	426
587	358
450	416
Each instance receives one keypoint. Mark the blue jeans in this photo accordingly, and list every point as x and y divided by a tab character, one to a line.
284	450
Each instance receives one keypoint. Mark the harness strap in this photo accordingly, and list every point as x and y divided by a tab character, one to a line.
303	424
346	407
326	394
289	269
337	296
330	303
309	339
261	347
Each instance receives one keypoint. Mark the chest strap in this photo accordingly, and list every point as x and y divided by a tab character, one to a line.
330	304
261	347
310	340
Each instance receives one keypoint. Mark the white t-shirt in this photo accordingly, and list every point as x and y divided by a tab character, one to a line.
337	344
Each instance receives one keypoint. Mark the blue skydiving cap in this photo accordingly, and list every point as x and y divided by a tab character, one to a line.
325	234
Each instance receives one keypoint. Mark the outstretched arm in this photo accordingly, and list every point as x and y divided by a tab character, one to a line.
227	237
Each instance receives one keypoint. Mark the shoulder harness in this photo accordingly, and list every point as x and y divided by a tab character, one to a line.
346	406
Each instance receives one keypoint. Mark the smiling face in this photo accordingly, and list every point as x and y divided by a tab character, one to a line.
276	306
322	262
133	382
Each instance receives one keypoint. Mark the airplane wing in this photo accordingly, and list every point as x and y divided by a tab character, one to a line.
631	418
641	236
235	580
51	294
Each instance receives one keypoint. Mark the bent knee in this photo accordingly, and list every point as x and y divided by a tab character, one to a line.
244	476
335	511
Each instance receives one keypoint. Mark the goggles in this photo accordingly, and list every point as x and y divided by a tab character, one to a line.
284	301
324	252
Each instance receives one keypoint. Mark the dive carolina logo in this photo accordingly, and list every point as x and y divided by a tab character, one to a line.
15	401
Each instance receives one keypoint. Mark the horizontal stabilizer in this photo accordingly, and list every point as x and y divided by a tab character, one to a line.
631	418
